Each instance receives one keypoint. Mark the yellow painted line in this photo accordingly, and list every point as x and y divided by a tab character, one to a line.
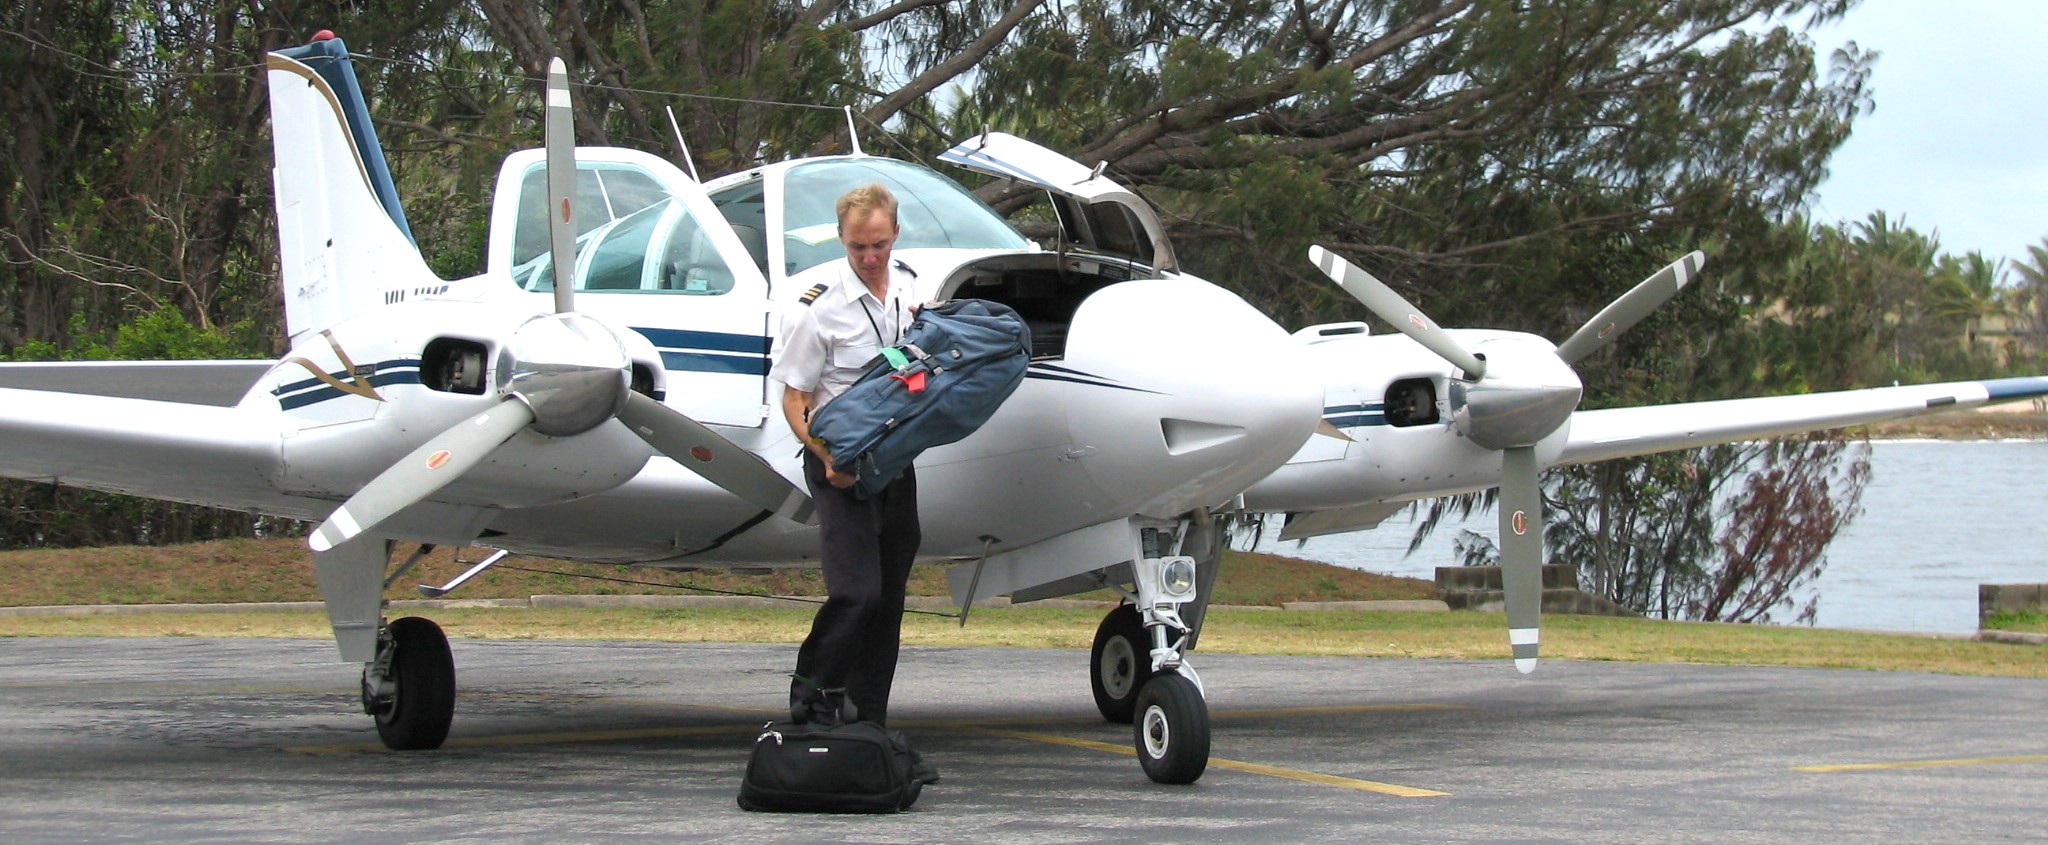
1333	710
1924	764
1222	763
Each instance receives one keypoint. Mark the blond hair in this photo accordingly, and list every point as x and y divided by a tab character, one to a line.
865	200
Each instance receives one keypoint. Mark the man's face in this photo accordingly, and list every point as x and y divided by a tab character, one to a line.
868	240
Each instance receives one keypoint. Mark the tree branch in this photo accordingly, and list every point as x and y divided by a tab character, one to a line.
952	67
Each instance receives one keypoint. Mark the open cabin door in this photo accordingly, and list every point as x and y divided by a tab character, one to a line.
654	255
1095	212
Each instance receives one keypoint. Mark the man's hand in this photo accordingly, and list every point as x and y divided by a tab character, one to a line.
838	479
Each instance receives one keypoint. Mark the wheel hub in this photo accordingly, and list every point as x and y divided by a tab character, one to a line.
1158	735
1119	667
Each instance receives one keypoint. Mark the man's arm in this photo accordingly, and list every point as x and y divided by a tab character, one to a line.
796	408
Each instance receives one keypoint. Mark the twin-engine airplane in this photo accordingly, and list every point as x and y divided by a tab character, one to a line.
600	393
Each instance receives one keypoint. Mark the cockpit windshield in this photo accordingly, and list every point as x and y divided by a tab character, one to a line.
933	210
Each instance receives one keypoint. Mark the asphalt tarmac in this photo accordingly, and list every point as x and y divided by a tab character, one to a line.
201	740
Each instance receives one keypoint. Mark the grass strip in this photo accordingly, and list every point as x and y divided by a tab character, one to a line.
1458	635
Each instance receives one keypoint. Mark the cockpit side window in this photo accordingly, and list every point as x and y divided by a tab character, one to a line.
603	194
658	249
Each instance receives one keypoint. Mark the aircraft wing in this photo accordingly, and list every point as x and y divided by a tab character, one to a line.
219	383
1627	432
184	452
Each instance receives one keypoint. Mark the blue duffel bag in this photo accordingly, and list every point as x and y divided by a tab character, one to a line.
952	370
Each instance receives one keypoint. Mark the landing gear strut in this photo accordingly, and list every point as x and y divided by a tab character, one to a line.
1138	668
410	686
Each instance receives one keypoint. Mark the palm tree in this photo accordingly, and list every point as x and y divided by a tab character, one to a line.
2027	300
1901	266
1966	291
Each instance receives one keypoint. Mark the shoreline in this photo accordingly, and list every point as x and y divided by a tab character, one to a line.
2019	421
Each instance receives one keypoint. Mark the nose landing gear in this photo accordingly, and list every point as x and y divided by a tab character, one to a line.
1172	730
1138	668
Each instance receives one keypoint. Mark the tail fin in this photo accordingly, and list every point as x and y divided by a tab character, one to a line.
344	245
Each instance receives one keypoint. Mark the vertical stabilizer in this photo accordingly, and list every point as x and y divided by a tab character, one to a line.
344	245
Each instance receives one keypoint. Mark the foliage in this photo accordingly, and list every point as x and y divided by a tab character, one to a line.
2035	620
1518	163
1722	534
1454	636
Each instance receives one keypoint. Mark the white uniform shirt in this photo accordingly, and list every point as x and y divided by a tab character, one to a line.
826	345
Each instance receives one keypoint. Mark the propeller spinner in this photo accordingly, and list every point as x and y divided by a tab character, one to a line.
1509	403
570	373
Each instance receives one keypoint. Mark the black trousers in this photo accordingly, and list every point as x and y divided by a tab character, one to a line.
866	549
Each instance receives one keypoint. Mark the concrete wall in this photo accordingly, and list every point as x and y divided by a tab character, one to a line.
1992	598
1478	588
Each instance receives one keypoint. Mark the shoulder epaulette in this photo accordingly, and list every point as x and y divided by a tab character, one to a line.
812	295
905	268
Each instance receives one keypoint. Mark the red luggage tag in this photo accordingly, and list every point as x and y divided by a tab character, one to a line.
913	382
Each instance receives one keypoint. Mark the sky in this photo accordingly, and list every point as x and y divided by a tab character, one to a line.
1958	141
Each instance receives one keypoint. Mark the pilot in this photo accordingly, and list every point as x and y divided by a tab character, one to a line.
866	545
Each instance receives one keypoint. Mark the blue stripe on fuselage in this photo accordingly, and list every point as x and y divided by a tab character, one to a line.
691	341
698	362
1356	420
326	392
710	352
1049	372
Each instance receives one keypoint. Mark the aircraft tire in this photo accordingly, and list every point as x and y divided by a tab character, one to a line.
1172	730
424	671
1120	663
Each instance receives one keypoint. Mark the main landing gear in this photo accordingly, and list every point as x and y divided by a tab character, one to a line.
408	672
1138	668
410	687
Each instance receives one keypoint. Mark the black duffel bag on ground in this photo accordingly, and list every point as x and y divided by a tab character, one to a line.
857	767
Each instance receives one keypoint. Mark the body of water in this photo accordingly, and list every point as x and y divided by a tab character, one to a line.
1938	519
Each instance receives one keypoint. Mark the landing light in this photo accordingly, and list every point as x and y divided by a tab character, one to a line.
1178	578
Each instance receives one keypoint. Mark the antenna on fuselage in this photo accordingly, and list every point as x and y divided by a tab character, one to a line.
685	145
852	132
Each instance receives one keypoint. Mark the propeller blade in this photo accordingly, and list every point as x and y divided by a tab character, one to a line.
1391	307
1521	551
559	137
718	460
1631	307
444	458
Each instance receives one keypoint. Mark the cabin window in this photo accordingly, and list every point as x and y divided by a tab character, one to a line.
935	212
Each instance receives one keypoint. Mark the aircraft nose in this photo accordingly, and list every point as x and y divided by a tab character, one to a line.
1203	395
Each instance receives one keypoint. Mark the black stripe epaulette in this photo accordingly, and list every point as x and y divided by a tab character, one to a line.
905	268
811	295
